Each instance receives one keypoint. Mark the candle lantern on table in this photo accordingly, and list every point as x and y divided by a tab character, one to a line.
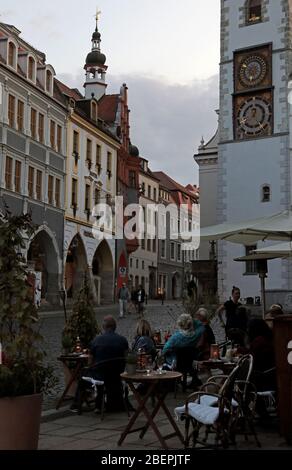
214	352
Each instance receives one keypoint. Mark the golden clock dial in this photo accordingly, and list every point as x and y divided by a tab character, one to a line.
252	71
254	118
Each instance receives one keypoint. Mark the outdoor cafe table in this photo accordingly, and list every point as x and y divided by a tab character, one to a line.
210	364
158	387
74	363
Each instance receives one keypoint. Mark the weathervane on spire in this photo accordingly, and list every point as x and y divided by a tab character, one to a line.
97	15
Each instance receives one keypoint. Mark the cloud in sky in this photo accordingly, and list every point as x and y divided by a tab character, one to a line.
167	121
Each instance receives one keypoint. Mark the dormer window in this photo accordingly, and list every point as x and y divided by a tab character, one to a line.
254	11
49	80
31	69
12	54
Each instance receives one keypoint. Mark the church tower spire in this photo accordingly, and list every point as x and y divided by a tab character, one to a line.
95	67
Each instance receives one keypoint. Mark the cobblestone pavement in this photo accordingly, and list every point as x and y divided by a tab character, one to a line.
161	317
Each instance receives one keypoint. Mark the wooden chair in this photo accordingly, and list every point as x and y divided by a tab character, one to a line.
217	407
184	364
101	385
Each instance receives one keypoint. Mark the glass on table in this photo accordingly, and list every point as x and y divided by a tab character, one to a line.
159	363
149	365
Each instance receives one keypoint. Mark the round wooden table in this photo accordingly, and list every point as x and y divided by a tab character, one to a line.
158	388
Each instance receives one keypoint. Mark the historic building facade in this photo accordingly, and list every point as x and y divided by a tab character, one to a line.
32	154
143	262
91	179
114	110
174	262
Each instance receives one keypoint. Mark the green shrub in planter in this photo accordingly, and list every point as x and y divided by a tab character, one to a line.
82	323
24	370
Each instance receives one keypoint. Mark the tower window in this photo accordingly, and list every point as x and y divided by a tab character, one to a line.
266	193
254	11
93	111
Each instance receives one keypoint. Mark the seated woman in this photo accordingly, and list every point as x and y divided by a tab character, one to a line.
143	339
185	337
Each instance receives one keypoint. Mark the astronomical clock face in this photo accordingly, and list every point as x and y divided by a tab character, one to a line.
252	71
253	68
253	117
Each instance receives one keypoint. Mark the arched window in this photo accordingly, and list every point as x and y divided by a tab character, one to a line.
12	55
49	81
266	193
254	11
31	69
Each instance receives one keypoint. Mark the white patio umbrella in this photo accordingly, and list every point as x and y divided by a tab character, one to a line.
274	227
280	250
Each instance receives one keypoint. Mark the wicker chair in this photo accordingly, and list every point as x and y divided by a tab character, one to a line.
218	407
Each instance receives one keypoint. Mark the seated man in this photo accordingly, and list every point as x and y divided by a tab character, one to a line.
108	352
208	336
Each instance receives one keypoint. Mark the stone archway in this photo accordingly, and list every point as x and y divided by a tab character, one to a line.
103	273
43	260
75	267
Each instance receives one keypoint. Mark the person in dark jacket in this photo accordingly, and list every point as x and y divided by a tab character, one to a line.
108	352
208	336
140	296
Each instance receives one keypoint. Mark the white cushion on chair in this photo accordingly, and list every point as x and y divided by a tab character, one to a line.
179	411
203	413
94	382
208	400
205	400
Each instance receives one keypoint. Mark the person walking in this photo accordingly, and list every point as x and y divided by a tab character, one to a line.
140	299
123	296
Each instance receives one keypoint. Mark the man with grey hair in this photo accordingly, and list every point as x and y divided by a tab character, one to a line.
202	315
108	352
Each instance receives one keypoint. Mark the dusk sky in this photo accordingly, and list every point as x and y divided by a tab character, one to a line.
165	50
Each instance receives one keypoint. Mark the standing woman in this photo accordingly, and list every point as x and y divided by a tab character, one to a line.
235	317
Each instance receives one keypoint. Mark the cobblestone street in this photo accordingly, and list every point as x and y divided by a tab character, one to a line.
161	317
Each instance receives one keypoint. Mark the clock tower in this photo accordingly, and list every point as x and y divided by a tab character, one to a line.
254	169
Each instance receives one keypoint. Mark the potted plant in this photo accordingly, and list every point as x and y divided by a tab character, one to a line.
82	323
24	374
79	330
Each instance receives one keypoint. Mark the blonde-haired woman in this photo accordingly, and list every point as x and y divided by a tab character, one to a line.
143	339
185	337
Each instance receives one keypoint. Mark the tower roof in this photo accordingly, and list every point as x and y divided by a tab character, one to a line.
95	58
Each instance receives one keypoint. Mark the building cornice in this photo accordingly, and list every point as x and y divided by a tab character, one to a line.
87	126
